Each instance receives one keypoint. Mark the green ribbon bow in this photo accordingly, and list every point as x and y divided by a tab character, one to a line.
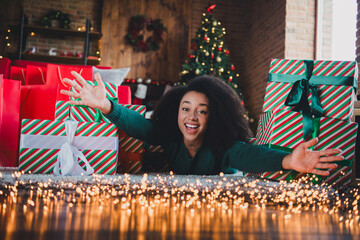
298	98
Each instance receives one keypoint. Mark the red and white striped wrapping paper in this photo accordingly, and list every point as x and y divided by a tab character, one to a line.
62	110
41	141
130	144
284	128
337	101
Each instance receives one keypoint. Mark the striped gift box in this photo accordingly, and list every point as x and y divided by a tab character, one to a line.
130	144
86	114
284	128
41	141
62	111
337	100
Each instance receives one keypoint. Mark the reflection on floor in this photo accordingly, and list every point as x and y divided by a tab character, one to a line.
172	207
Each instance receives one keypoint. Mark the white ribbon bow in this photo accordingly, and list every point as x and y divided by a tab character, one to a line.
69	156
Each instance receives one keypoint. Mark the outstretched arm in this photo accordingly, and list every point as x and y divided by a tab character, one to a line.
92	96
305	160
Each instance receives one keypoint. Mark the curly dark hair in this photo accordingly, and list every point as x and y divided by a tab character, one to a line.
226	123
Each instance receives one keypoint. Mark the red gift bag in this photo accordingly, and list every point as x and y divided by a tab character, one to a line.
18	73
35	75
38	102
9	121
56	73
5	67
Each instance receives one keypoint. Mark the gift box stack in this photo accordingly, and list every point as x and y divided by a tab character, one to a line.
306	99
41	140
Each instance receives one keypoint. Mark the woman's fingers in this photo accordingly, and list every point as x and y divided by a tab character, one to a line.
80	79
98	79
326	165
311	142
331	158
320	172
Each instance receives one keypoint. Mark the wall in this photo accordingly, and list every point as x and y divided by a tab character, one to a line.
265	39
161	65
79	11
300	29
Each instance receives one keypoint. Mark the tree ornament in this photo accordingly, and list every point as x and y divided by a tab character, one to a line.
212	56
214	23
219	49
232	67
227	52
207	54
135	37
218	59
197	71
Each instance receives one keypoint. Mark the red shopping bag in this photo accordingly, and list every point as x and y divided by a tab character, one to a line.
18	73
35	75
38	102
9	121
56	73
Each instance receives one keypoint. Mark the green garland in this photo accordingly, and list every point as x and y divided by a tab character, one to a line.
135	37
56	15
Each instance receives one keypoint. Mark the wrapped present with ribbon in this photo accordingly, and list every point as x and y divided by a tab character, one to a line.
131	149
42	140
284	128
314	88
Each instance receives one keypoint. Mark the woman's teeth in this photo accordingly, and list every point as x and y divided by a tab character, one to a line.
191	126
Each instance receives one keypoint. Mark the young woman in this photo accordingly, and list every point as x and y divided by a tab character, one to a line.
202	129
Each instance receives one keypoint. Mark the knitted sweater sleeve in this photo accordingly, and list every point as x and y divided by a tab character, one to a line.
133	124
253	158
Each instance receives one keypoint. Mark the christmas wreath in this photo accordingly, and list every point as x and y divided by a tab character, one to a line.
63	19
136	30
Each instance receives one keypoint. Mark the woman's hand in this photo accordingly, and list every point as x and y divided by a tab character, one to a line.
92	96
305	160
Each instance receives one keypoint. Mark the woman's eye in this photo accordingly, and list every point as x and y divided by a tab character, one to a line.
185	109
202	112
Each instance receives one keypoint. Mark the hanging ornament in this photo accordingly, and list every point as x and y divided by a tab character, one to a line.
227	52
197	71
218	59
207	54
219	49
232	67
212	56
214	23
230	79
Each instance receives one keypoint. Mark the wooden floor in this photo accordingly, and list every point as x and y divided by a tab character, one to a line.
102	211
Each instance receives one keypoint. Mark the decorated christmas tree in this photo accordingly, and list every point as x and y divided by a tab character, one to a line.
209	54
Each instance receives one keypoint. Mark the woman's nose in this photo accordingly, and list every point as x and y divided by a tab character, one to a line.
193	115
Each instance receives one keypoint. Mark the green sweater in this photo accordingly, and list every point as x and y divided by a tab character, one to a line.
240	156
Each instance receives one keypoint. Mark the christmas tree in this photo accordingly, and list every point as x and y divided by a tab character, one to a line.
209	54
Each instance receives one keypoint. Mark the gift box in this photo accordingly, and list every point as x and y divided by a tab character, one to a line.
87	114
284	129
130	149
130	144
41	141
62	111
330	87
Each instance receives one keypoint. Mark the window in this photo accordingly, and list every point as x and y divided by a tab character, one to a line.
336	30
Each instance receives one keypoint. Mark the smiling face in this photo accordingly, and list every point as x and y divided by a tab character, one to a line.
193	116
